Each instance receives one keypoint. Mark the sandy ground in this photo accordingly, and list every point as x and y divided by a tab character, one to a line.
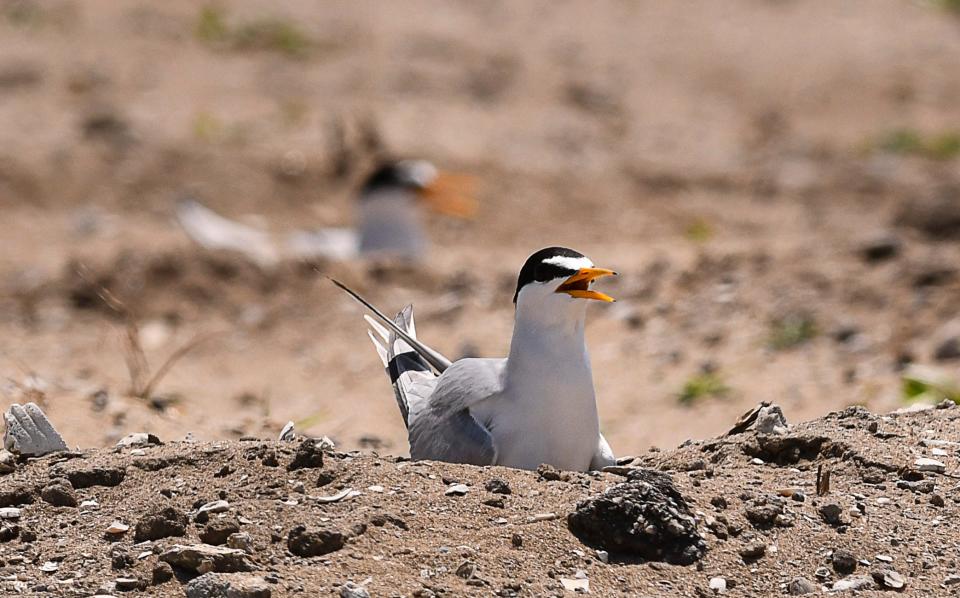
732	160
309	523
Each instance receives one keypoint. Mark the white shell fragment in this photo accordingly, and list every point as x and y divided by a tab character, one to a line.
287	433
345	493
29	432
217	506
118	527
457	490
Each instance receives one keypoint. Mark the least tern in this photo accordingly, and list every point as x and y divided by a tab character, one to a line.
535	406
389	219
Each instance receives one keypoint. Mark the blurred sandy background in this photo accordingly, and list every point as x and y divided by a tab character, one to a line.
778	183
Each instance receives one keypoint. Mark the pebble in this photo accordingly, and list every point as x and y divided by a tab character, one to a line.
952	580
830	513
240	541
575	585
604	556
718	585
351	590
938	452
59	494
889	579
234	585
884	558
9	513
118	527
137	439
756	461
860	582
843	562
457	490
498	486
927	464
49	567
377	489
800	586
753	551
217	506
8	463
126	584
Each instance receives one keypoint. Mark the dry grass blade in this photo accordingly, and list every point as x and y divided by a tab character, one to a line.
823	480
147	389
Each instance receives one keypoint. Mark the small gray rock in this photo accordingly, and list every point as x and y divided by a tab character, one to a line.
770	420
228	585
800	586
830	513
307	543
137	439
217	531
59	493
843	562
127	584
888	578
352	590
457	490
194	558
8	463
860	582
927	464
498	486
753	551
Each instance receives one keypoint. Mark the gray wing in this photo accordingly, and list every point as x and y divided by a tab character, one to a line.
444	428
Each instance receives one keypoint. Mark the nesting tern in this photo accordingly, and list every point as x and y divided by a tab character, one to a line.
535	406
388	219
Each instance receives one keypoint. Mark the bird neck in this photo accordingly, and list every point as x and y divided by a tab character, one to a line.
389	222
548	340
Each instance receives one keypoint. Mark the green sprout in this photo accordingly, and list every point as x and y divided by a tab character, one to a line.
791	331
701	386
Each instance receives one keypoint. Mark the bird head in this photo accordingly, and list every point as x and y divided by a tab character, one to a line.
448	193
561	276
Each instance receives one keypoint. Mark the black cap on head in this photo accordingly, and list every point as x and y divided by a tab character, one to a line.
400	174
542	266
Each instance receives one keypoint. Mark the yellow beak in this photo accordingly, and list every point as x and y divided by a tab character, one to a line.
451	194
578	285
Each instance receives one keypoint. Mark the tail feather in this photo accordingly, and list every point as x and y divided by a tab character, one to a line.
407	360
405	366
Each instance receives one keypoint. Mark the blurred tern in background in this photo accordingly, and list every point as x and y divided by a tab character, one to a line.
389	219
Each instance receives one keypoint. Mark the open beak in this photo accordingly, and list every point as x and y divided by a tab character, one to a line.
451	194
578	285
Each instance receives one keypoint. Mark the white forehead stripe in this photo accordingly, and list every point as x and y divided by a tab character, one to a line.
420	172
572	263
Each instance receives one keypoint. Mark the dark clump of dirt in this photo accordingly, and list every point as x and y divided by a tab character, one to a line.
309	455
314	542
645	516
161	523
